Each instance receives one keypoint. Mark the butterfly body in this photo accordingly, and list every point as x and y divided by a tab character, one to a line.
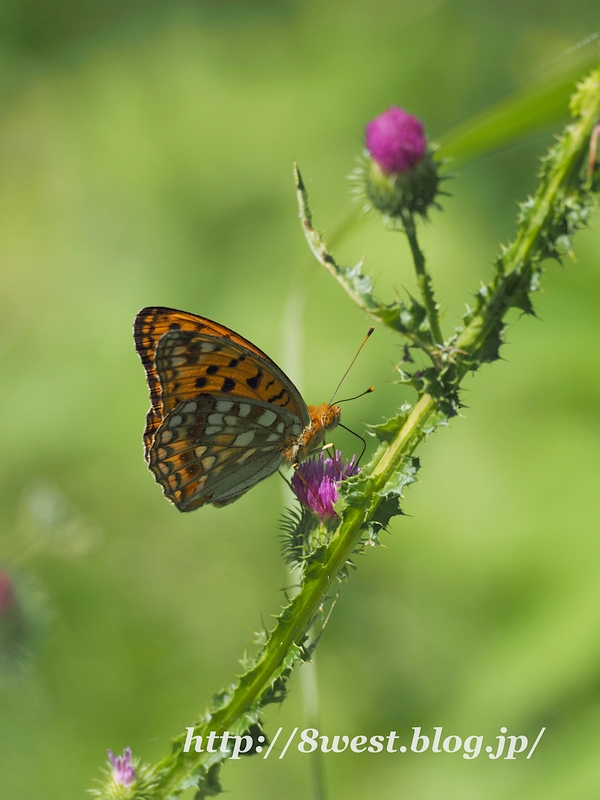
223	416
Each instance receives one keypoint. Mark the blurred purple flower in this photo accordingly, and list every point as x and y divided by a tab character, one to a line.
396	140
7	592
315	482
122	768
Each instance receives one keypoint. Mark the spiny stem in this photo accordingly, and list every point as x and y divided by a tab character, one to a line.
423	277
517	259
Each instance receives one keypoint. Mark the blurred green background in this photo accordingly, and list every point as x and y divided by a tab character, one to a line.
145	158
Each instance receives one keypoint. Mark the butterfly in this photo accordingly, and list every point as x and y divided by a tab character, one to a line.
222	416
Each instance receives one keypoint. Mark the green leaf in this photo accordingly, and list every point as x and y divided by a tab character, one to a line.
523	113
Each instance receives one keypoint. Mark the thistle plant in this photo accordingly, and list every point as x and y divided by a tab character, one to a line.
343	510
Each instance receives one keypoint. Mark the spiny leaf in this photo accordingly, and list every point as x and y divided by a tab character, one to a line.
209	784
387	430
388	500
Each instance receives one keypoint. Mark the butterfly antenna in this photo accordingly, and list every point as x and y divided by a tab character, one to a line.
358	436
356	396
369	332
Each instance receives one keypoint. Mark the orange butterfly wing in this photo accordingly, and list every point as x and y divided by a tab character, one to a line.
213	449
185	355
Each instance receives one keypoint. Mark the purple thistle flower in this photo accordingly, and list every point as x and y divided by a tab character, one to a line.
122	768
396	140
315	483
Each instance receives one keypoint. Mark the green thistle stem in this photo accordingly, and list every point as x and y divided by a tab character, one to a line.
423	277
517	258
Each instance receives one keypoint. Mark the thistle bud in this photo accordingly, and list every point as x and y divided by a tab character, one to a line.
398	172
396	140
123	770
126	778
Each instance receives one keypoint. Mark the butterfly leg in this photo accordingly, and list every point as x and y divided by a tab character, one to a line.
314	452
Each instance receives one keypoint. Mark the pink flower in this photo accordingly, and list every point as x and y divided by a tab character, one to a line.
122	768
396	140
315	482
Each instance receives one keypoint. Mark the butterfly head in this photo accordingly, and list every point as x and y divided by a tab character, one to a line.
324	417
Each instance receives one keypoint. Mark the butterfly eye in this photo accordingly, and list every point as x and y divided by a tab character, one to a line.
332	418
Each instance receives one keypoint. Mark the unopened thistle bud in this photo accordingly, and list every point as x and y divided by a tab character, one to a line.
397	171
